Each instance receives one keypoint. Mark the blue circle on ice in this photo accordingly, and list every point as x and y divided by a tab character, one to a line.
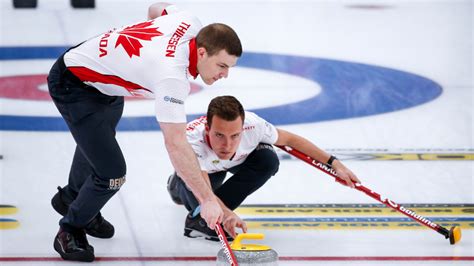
348	90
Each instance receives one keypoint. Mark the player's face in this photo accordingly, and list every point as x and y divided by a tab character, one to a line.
225	136
215	67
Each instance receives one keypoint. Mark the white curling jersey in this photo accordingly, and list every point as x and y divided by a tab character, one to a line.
256	130
151	59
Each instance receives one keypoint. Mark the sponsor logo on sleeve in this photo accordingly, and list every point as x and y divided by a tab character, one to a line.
173	100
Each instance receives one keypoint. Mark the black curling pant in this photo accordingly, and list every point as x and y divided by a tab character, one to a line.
98	168
260	165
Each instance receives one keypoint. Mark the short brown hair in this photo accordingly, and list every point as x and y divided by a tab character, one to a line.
225	107
216	37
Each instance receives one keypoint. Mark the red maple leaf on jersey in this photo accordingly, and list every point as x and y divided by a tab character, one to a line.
130	37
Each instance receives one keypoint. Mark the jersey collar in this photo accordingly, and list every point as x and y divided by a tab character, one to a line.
192	68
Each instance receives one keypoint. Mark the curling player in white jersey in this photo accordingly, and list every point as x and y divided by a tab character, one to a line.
151	59
231	140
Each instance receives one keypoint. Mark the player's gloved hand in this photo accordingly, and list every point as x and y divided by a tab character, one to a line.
211	212
347	175
231	221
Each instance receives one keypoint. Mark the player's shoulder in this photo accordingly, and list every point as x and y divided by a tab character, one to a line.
182	14
195	128
250	115
252	118
195	134
253	123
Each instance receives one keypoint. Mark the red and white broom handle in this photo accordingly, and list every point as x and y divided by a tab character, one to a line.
225	245
330	171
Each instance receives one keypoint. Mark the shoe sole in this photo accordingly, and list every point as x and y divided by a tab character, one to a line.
84	256
196	234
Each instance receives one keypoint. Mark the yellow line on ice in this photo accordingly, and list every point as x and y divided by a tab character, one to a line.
349	225
318	211
425	156
9	225
7	210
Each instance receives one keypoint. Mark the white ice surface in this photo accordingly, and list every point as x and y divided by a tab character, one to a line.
429	38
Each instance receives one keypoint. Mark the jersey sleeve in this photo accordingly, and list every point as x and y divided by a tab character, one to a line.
170	95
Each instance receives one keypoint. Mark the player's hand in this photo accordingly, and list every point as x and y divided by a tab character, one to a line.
211	212
231	221
345	174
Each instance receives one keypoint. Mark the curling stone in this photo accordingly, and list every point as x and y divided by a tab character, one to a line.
249	254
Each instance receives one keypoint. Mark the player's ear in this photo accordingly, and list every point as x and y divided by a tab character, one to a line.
201	52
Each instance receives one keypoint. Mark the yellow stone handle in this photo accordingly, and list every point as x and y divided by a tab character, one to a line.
237	245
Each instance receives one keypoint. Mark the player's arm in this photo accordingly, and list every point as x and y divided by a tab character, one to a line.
207	180
231	220
307	147
186	165
157	10
205	176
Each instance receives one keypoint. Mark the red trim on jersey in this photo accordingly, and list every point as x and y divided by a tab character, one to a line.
193	58
86	74
196	122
